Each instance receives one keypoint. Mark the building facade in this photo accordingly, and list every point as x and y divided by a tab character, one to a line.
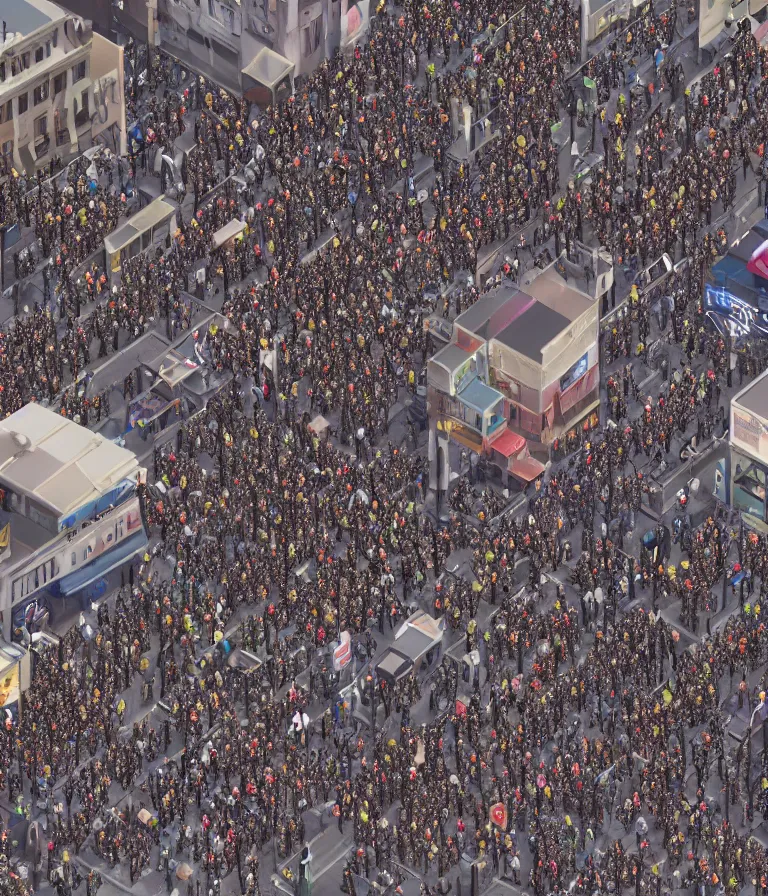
220	38
46	92
521	369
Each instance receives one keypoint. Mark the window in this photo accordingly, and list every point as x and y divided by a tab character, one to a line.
40	93
2	71
8	111
55	38
59	83
41	126
23	103
73	559
310	36
24	61
39	54
575	373
225	54
78	71
211	11
47	49
748	485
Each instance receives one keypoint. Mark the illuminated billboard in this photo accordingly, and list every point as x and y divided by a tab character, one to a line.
732	315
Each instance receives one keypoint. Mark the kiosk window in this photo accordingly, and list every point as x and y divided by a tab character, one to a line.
748	486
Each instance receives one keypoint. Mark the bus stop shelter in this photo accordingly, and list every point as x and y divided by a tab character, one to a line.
137	234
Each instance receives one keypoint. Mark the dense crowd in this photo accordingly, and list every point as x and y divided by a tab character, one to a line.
593	716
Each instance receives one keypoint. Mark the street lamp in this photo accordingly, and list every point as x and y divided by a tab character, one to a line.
759	706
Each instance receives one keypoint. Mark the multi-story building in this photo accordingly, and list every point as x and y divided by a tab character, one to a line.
521	368
46	92
222	38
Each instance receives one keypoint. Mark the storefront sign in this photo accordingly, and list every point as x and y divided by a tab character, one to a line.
748	432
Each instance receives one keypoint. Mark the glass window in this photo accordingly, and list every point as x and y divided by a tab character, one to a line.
23	103
59	83
56	37
40	93
310	36
575	373
24	61
39	54
73	559
748	485
41	126
79	71
2	71
47	48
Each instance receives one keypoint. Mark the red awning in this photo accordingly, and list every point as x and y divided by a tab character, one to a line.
526	469
508	443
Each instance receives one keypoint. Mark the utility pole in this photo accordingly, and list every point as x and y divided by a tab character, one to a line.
585	12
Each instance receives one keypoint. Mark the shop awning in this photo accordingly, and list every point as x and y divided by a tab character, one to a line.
526	469
508	443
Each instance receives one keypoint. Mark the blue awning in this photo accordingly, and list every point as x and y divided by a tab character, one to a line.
479	397
103	564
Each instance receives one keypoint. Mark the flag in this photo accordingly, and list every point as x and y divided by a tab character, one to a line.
588	82
499	815
5	536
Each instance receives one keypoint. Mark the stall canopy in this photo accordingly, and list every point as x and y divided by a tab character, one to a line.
228	232
176	368
526	469
267	69
157	212
418	634
508	443
394	666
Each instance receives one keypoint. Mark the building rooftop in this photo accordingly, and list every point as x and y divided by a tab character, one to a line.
24	17
476	319
531	331
451	357
755	397
479	397
550	289
57	463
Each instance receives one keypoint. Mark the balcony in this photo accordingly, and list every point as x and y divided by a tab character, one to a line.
82	118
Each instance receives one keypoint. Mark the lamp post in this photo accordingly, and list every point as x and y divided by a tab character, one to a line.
759	706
